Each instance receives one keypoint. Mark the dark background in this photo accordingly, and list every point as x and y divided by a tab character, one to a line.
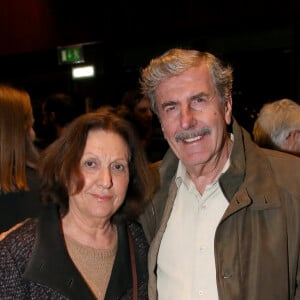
260	39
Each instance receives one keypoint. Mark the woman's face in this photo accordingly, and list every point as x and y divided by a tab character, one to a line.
105	168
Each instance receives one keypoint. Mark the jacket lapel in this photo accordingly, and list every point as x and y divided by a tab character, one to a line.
121	279
50	264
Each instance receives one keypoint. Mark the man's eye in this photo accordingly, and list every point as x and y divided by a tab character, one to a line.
198	103
169	108
199	100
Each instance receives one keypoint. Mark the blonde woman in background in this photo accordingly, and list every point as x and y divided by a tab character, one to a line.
18	158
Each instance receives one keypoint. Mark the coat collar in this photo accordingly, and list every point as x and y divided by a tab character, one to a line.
249	178
50	264
255	186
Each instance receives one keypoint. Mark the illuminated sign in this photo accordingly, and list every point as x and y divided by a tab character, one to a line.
70	55
83	72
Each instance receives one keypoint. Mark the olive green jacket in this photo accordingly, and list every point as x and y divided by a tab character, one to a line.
257	242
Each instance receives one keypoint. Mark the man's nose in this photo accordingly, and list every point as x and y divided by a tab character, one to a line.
187	119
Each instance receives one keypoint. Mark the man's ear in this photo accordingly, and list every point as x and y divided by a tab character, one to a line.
292	136
291	139
291	142
228	109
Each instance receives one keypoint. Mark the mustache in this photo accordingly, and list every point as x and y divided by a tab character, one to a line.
187	134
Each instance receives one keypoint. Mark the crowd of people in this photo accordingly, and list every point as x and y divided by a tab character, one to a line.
209	211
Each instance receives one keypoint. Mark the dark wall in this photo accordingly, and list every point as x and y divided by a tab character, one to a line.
259	38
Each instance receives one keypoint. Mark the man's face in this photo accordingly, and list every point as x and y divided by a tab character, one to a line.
193	118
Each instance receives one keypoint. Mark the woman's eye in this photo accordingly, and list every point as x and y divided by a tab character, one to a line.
89	164
119	167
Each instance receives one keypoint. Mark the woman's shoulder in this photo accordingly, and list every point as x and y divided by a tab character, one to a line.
138	235
20	235
15	252
135	227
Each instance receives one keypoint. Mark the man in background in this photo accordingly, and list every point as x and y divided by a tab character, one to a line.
278	126
58	110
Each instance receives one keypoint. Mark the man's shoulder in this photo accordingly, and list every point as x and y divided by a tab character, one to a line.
284	169
282	160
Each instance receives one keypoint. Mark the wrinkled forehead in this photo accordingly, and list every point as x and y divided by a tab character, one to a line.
192	78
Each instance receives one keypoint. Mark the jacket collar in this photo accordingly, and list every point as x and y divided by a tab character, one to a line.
249	178
255	186
50	264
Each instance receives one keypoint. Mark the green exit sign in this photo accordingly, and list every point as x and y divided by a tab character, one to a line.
70	55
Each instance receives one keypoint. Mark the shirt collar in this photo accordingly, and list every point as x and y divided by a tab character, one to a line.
183	177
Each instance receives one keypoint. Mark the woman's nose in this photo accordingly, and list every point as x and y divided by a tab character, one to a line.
104	178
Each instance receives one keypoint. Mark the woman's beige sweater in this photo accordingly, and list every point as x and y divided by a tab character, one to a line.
95	265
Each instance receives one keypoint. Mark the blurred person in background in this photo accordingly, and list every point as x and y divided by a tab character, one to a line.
86	243
145	122
58	110
19	183
277	126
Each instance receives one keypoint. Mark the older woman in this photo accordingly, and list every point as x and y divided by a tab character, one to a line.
86	244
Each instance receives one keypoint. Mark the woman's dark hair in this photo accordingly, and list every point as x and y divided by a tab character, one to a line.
60	164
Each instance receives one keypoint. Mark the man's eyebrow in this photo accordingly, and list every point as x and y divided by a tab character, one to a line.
202	94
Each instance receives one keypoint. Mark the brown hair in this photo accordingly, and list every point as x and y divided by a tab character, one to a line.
16	148
61	163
